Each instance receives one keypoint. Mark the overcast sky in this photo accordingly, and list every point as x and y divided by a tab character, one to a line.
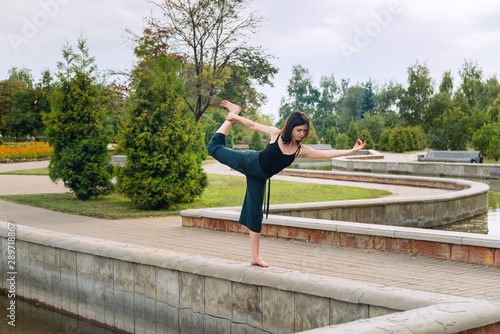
355	39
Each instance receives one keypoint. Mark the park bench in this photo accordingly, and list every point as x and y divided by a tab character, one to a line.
118	160
452	156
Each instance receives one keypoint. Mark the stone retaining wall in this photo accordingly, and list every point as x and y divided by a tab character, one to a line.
460	170
143	290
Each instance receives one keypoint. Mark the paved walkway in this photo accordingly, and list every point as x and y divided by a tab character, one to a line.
384	268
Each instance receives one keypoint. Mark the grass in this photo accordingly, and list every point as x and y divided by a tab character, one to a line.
37	171
223	190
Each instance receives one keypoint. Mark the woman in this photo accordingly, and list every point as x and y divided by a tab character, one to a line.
283	148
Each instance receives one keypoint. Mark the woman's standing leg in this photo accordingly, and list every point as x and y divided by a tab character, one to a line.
255	243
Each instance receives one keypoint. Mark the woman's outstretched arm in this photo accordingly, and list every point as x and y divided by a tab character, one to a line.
309	153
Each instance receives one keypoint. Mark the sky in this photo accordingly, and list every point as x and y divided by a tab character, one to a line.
356	39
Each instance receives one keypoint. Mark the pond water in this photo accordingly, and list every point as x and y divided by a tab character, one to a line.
485	224
30	319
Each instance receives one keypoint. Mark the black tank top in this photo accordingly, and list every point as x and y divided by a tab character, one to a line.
272	160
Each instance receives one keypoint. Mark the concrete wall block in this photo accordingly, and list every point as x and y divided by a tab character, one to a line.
23	268
247	304
103	289
245	329
123	310
85	264
144	314
218	297
166	319
167	286
3	261
123	282
216	325
69	283
192	292
37	272
52	275
311	312
189	321
145	280
377	311
342	312
123	277
278	310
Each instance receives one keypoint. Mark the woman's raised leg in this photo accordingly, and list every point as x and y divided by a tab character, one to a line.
231	107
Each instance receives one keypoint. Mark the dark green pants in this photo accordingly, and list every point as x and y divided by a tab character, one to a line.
247	163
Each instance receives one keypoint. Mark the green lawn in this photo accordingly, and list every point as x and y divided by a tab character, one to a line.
37	171
223	190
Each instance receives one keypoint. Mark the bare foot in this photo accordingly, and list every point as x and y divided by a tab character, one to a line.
231	107
259	262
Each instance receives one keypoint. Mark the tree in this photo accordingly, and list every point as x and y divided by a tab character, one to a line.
21	74
352	133
160	139
349	108
388	97
482	137
312	137
28	107
302	95
494	110
365	135
446	85
256	142
472	76
375	124
212	36
493	151
416	97
8	88
368	100
331	136
438	105
74	128
323	114
453	129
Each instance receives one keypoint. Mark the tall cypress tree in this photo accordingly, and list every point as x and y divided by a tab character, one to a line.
158	136
74	127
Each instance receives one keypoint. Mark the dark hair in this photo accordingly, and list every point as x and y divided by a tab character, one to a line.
297	118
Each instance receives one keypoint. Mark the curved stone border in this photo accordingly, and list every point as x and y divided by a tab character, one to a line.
136	289
462	170
319	222
469	199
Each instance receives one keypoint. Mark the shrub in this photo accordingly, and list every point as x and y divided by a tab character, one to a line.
493	151
481	138
352	134
160	138
74	128
256	142
399	140
385	140
365	135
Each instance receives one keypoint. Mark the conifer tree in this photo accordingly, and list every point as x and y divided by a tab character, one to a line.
74	127
159	137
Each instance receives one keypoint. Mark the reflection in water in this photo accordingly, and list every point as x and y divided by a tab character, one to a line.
35	320
484	224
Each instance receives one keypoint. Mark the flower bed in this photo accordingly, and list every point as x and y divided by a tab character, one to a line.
24	151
